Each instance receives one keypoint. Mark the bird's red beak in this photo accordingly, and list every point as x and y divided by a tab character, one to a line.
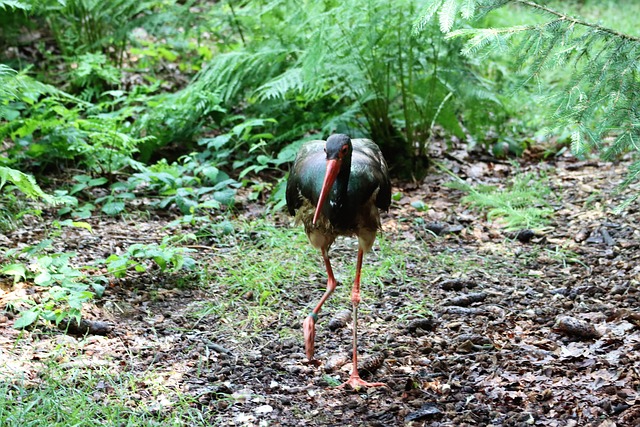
333	168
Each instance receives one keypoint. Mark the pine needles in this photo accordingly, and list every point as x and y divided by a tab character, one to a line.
599	104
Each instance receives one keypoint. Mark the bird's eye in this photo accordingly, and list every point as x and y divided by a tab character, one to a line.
344	149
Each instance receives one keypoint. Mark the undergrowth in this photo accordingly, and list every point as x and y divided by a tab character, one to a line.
522	204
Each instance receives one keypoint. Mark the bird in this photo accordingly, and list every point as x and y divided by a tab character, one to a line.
337	188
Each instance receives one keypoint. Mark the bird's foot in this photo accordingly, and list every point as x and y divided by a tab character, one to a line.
309	330
356	383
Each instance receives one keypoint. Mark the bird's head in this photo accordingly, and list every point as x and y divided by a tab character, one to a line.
338	148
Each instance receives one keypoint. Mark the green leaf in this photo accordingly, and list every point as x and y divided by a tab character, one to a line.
18	271
97	181
161	263
117	265
113	208
43	279
98	289
81	214
25	183
126	196
210	204
419	205
78	187
26	318
225	197
79	224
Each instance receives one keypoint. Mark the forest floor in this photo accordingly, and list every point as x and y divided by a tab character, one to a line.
466	326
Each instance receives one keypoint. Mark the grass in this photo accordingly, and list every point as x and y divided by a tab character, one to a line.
247	289
86	396
253	292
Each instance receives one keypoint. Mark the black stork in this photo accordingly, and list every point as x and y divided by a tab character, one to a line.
336	188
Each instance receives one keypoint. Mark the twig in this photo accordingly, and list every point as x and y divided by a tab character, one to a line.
237	23
209	248
578	21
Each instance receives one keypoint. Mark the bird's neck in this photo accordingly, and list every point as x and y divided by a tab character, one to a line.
339	198
342	181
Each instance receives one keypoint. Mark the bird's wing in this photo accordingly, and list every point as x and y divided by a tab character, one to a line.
307	167
370	173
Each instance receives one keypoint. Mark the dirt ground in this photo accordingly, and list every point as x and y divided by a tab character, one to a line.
540	330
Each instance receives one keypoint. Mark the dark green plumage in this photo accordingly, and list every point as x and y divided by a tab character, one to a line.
363	179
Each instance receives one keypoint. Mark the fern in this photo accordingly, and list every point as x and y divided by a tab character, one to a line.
233	73
523	204
14	4
288	82
353	67
61	126
23	182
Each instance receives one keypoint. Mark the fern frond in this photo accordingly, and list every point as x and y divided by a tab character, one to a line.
232	72
14	4
279	87
23	182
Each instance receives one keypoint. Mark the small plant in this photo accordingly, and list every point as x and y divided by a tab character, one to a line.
523	204
168	258
92	75
190	184
114	203
62	289
50	127
12	203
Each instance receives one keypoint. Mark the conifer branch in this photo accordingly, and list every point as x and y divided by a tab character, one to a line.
577	21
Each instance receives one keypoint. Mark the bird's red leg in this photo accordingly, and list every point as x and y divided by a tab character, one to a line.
309	324
354	381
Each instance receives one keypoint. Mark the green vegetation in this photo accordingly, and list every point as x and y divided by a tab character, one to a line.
594	98
175	115
66	396
523	204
